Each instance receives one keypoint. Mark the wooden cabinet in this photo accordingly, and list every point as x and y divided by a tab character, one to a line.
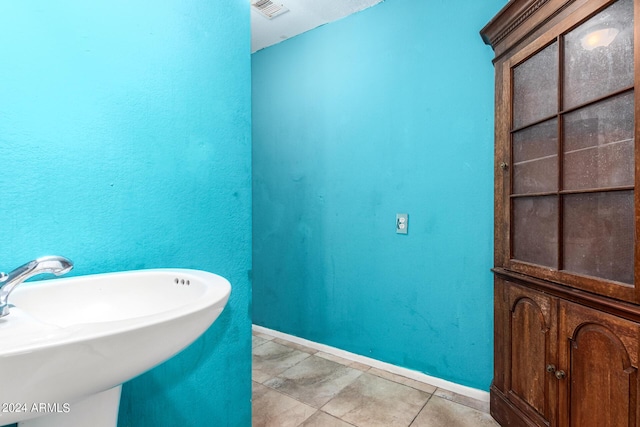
562	363
567	299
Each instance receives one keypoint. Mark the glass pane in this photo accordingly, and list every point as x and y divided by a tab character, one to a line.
535	230
598	235
535	158
598	145
599	55
535	87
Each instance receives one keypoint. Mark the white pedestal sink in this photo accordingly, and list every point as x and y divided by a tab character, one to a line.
68	344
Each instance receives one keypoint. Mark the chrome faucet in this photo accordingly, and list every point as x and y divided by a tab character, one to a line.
49	264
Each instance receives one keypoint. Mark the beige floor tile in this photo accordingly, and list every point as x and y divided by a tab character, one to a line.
314	380
273	409
439	412
295	345
271	359
359	366
341	360
256	341
322	419
334	358
371	401
427	388
263	336
463	400
298	383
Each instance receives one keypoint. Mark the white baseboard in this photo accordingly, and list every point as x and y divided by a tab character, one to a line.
473	393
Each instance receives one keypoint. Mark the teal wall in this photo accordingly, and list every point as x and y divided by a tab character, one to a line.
387	111
125	144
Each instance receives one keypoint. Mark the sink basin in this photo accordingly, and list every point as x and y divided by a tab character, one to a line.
69	339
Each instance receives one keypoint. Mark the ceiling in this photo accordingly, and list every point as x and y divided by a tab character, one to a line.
303	15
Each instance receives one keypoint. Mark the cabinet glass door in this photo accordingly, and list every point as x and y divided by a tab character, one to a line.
572	155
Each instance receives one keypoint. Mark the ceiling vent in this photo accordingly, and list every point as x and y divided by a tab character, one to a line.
268	9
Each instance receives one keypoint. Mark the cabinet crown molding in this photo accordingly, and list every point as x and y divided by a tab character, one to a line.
513	19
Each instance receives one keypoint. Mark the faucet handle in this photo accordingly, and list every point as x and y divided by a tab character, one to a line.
3	276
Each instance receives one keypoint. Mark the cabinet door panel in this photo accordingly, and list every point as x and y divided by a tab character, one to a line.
535	93
599	353
568	181
591	50
535	158
598	235
598	145
531	346
535	230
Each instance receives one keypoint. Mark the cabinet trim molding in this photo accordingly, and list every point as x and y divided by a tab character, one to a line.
618	308
512	19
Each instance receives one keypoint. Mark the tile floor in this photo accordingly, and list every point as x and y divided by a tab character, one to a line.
294	385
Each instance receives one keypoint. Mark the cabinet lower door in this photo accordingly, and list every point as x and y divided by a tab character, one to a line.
530	343
598	354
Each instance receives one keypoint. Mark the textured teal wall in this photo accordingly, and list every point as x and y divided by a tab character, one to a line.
387	111
125	144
